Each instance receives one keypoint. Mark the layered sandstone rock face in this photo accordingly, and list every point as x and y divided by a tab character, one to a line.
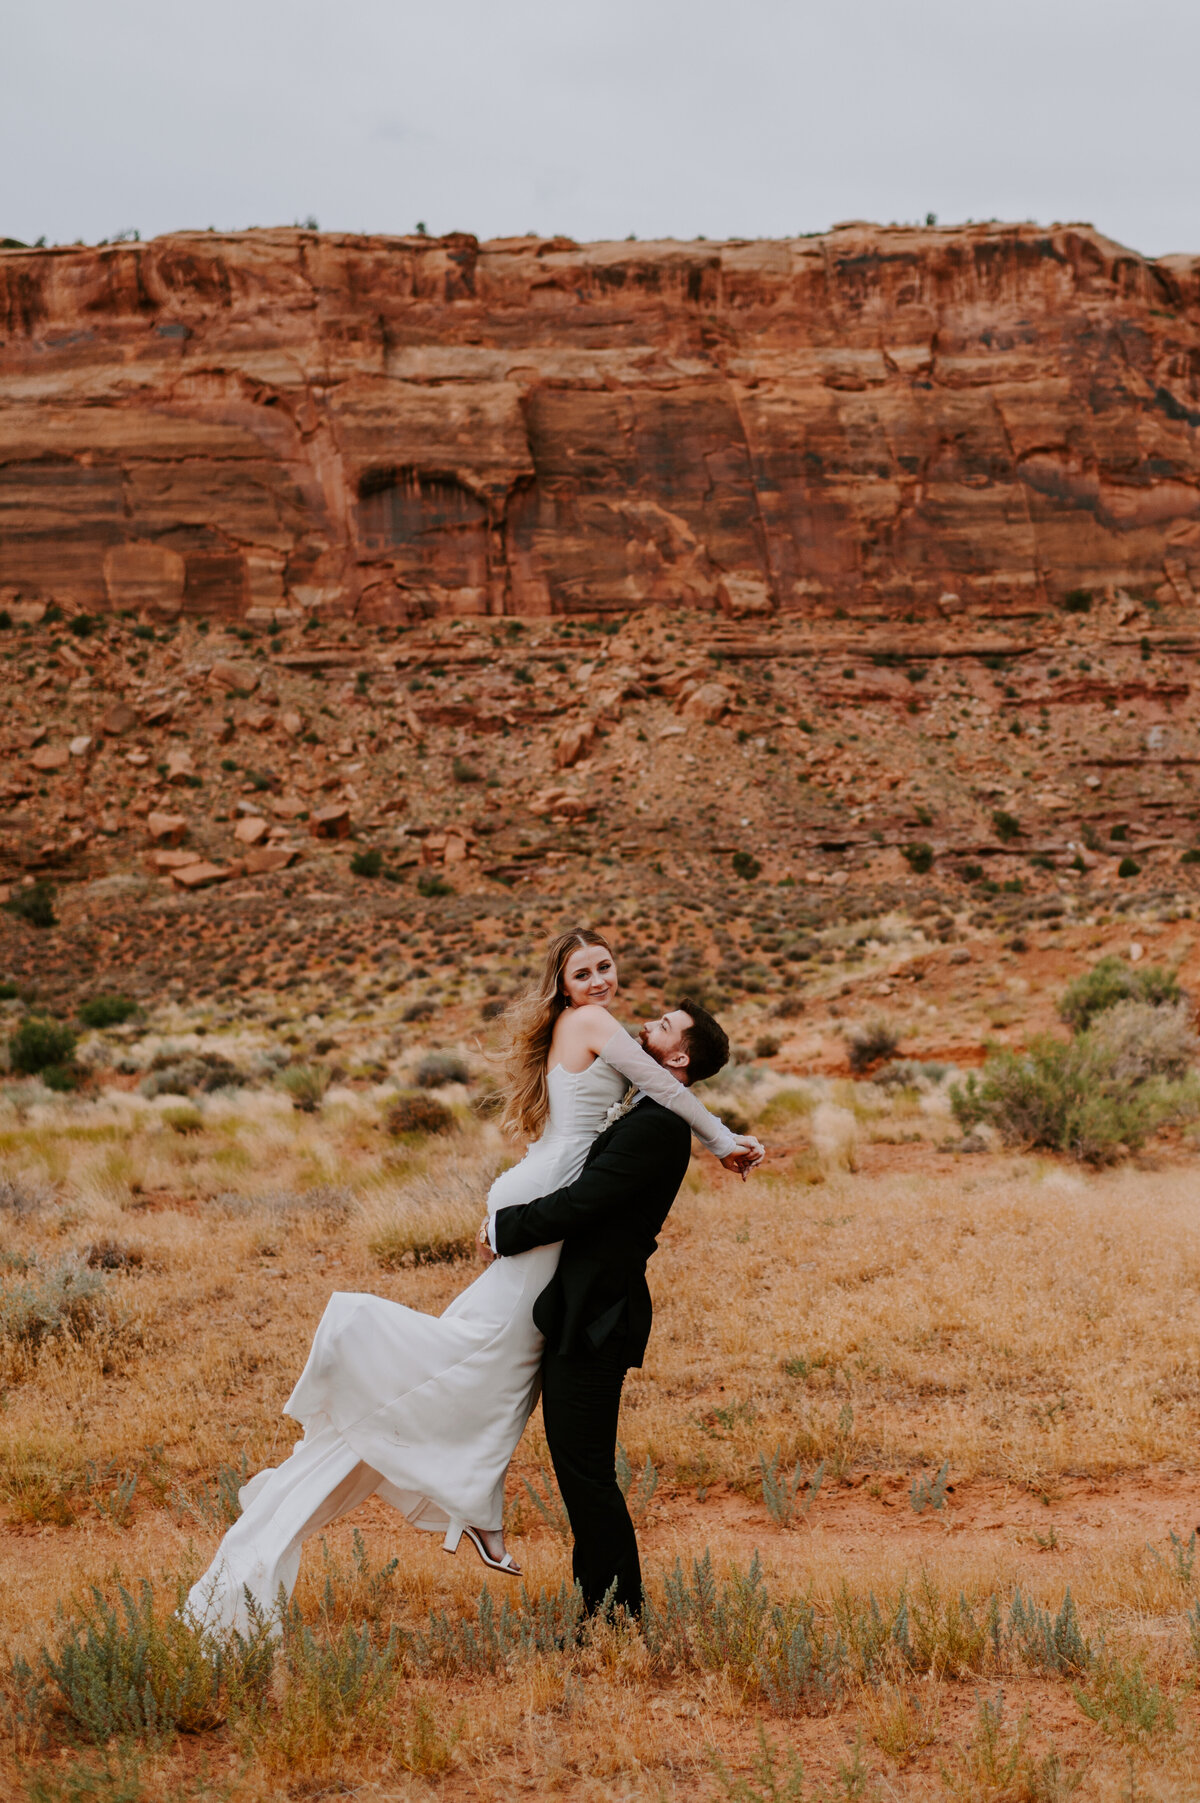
890	421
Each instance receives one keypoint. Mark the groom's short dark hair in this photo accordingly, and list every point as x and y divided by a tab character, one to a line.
705	1042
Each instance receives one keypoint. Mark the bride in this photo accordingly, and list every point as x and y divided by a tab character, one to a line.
426	1410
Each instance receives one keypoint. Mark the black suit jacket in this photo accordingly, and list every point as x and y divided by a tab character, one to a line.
608	1220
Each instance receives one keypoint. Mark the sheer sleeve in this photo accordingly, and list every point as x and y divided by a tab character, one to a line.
624	1054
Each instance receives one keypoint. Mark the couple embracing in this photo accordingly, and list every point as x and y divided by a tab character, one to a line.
426	1410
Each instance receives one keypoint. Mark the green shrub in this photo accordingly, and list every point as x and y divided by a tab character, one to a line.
121	1670
107	1011
414	1112
34	904
306	1084
1077	601
183	1118
1007	826
918	857
441	1067
60	1078
430	884
746	865
1111	981
1146	1041
367	863
39	1043
1191	855
83	625
1069	1097
1129	867
63	1298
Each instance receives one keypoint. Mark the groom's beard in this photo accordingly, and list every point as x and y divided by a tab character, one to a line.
646	1046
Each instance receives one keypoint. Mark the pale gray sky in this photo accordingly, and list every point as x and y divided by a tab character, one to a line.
660	117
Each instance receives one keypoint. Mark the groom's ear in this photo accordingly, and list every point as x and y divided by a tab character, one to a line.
677	1061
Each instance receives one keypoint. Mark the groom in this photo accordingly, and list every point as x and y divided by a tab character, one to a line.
596	1311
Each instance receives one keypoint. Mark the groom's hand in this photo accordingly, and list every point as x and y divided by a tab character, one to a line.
483	1250
748	1153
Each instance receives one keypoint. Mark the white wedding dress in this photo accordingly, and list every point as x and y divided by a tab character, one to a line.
426	1410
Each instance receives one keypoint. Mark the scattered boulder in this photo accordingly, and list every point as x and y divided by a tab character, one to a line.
200	875
744	595
48	758
234	678
119	719
574	743
80	745
265	858
167	829
180	768
707	704
332	822
251	830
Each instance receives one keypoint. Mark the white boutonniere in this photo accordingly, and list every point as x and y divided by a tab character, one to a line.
621	1108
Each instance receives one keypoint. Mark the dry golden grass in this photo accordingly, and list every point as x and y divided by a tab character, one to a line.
867	1302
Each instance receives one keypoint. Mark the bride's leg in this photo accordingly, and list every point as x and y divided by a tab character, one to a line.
323	1479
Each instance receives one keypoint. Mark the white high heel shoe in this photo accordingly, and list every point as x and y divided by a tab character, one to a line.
454	1534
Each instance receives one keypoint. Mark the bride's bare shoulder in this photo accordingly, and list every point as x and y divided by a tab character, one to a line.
590	1025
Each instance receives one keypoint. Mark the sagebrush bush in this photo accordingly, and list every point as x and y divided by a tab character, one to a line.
1067	1097
1112	981
441	1067
107	1010
40	1044
1145	1040
34	904
415	1112
64	1297
868	1044
306	1085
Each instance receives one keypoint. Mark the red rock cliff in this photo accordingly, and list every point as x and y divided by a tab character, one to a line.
871	420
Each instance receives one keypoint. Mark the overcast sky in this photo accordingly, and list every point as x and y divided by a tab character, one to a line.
665	118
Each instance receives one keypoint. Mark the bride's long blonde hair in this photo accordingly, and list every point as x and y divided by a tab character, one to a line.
526	1096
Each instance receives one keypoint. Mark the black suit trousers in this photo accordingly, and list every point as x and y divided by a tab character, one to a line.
581	1400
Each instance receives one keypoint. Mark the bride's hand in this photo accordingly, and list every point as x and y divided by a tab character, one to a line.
483	1249
747	1153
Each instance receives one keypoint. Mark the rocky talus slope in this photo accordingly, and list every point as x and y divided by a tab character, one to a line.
799	822
886	422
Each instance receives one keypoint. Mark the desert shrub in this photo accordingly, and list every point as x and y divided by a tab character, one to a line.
367	863
1077	601
1067	1097
465	772
182	1074
33	904
1129	867
39	1043
414	1112
107	1010
868	1043
1007	826
306	1085
438	1068
60	1299
492	1008
430	884
918	857
434	1231
421	1009
20	1199
784	1108
1112	981
1145	1041
766	1045
335	1699
1190	856
121	1669
183	1118
745	865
